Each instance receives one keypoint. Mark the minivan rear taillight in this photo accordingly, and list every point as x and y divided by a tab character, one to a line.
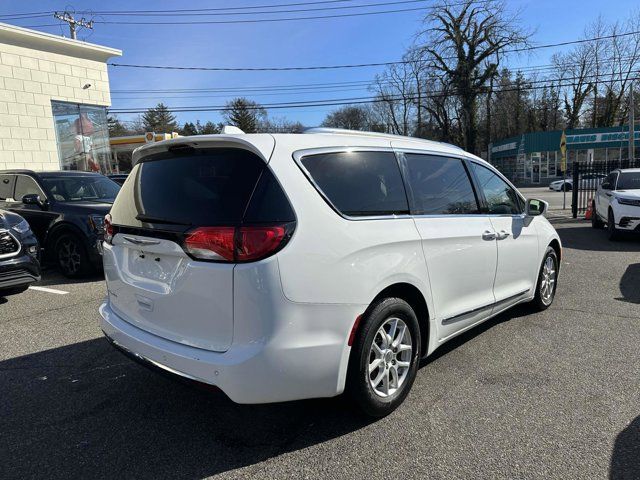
236	244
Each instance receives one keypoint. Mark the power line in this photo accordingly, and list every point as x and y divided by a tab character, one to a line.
326	85
261	12
332	89
231	10
114	12
355	65
260	20
349	101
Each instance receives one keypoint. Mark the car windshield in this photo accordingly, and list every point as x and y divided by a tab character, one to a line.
81	188
629	181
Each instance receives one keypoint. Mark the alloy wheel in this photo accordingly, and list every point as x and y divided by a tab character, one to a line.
548	283
390	357
69	256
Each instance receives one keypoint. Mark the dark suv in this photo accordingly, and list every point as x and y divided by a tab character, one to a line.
66	212
19	265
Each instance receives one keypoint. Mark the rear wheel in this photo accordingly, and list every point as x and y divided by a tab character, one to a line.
71	256
384	359
595	219
614	233
566	187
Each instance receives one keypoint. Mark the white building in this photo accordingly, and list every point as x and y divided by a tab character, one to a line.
53	97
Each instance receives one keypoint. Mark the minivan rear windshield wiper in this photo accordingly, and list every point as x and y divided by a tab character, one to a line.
148	219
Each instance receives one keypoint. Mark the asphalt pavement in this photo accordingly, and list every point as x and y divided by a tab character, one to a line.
526	395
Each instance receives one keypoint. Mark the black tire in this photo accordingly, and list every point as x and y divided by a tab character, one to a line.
614	233
12	291
540	302
358	385
595	219
566	187
71	256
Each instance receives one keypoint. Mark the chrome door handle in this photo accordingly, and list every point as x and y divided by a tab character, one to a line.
488	235
502	235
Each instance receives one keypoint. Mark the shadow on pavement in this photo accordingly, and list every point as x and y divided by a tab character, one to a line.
630	284
585	237
51	277
90	412
625	460
93	413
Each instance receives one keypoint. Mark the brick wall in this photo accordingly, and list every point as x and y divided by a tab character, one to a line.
29	80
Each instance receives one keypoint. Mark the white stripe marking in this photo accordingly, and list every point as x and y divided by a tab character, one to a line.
49	290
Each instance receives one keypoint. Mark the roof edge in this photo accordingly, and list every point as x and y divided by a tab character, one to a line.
36	40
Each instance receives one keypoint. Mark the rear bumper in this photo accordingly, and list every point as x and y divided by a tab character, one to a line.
288	365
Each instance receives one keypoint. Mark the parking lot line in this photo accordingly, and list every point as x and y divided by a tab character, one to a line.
49	290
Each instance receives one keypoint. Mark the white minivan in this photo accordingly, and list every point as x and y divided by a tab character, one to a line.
290	266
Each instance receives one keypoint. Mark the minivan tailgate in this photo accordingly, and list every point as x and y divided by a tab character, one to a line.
154	285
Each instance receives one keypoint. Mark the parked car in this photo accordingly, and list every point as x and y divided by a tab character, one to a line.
587	181
282	267
66	212
19	264
119	178
617	203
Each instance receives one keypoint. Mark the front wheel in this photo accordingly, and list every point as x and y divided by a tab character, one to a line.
384	358
595	219
614	233
547	281
71	256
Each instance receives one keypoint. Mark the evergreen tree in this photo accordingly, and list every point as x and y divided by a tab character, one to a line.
210	128
159	119
116	128
189	128
245	114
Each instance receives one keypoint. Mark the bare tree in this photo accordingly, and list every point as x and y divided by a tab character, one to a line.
396	97
463	41
351	117
622	69
574	71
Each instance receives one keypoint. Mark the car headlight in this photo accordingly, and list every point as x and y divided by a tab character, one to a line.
629	201
96	222
21	227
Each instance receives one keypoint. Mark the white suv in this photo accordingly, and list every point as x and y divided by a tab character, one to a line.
283	267
617	203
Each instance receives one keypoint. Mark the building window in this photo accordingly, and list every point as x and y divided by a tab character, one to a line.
82	136
599	154
553	162
613	154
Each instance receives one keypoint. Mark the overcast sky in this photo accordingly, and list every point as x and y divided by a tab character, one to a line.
363	39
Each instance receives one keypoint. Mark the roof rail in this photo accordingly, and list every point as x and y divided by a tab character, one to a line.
343	131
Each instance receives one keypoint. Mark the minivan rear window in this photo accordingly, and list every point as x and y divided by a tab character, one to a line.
359	183
194	187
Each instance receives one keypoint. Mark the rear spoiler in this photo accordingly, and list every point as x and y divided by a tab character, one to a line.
260	144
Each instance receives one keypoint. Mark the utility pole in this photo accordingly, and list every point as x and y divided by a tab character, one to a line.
73	23
632	122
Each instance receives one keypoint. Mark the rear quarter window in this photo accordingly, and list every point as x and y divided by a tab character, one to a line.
359	183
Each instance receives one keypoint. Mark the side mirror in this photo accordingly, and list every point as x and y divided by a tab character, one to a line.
606	186
536	207
34	199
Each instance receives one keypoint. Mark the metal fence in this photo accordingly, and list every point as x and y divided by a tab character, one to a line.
586	178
